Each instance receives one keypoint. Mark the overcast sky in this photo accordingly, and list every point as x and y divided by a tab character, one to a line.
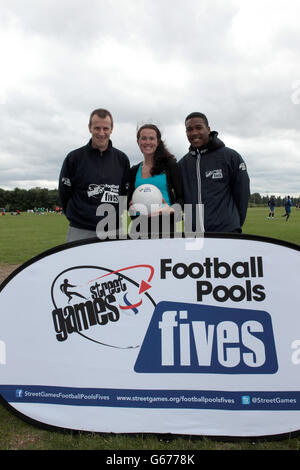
237	61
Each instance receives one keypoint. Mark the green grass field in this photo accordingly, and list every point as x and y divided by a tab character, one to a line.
25	236
258	224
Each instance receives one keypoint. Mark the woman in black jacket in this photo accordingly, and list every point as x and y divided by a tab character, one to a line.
159	167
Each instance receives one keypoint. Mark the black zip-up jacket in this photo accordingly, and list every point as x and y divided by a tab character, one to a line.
216	177
89	178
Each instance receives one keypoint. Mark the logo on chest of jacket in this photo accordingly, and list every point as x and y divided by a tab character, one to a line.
107	192
214	174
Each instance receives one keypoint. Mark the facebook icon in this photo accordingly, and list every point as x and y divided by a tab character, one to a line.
19	393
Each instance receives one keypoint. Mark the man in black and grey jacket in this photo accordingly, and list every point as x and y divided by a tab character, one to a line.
214	177
93	175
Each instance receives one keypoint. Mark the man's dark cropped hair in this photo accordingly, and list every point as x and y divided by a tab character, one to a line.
197	115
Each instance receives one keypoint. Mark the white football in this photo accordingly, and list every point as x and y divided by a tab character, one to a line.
146	198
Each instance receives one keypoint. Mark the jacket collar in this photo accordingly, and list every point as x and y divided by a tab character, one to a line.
195	151
92	149
213	143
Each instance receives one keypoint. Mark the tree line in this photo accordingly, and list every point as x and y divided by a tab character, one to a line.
257	200
28	199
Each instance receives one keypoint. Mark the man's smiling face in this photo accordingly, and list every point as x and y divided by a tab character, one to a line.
197	132
101	129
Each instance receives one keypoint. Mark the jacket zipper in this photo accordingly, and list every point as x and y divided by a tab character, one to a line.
200	206
199	176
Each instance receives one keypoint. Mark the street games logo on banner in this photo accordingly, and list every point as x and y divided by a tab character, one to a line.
96	302
193	341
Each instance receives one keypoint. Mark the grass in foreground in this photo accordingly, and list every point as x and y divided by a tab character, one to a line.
16	434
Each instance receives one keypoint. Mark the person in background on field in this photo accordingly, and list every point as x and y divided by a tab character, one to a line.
95	174
271	204
159	168
215	177
288	207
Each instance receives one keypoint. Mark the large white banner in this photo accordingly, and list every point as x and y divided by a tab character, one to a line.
198	337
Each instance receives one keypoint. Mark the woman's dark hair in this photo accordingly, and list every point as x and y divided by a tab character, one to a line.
161	154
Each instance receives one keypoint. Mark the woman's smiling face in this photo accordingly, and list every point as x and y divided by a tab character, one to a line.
148	141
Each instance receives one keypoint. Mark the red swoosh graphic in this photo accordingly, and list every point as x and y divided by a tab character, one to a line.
129	307
144	285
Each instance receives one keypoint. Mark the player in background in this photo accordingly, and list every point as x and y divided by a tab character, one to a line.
271	204
288	207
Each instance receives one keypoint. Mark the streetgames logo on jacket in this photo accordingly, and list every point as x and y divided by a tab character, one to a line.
107	192
214	174
103	305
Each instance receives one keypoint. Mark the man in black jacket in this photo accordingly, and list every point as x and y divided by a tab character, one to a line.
91	176
215	178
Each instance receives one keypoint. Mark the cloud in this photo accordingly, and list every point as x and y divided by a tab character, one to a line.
238	62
